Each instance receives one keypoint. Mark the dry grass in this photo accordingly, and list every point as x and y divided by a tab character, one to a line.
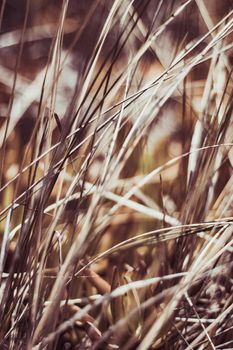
116	159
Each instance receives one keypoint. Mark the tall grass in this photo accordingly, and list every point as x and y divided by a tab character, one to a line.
116	175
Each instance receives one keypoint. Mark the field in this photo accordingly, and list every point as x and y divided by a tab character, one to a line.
116	174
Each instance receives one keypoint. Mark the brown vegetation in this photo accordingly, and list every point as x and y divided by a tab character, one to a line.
116	159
